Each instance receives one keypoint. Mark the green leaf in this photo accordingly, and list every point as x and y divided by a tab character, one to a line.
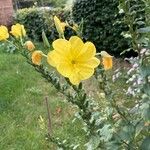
127	132
45	40
106	133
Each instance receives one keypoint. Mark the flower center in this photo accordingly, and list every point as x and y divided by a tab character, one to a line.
73	62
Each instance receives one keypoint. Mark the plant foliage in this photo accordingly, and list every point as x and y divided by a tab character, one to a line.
103	23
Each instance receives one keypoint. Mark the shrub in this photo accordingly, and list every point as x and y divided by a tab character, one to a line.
29	3
103	24
37	19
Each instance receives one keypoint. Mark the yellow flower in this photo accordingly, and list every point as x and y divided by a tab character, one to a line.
29	45
37	57
73	59
18	30
60	26
107	60
3	33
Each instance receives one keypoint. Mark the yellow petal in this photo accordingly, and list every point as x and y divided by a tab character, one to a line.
76	45
53	58
74	79
88	51
85	71
63	47
18	30
65	69
3	33
93	62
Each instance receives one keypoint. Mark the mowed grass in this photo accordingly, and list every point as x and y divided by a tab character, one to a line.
22	94
22	102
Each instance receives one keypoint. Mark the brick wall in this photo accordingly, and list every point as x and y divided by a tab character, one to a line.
6	12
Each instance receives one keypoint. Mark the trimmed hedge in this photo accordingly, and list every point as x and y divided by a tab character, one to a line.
104	25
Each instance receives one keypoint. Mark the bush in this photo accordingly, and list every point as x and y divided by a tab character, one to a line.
29	3
101	24
37	19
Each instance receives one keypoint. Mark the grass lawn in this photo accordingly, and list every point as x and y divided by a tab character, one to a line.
22	93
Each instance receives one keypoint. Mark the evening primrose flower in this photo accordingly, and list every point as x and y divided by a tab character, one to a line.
29	45
18	30
106	60
3	33
73	59
60	26
37	57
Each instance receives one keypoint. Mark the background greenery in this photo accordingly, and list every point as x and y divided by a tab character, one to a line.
104	24
30	3
36	20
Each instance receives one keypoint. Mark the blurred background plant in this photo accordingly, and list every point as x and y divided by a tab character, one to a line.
104	25
19	4
38	19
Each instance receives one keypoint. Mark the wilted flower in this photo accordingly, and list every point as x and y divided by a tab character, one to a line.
74	59
3	33
18	30
37	57
29	45
107	60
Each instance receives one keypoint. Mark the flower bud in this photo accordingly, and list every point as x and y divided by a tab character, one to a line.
37	57
29	45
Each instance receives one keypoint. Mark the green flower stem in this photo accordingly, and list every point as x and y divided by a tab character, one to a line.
73	86
17	47
103	85
129	20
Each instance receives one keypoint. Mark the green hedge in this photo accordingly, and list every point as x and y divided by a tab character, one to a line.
36	19
103	23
